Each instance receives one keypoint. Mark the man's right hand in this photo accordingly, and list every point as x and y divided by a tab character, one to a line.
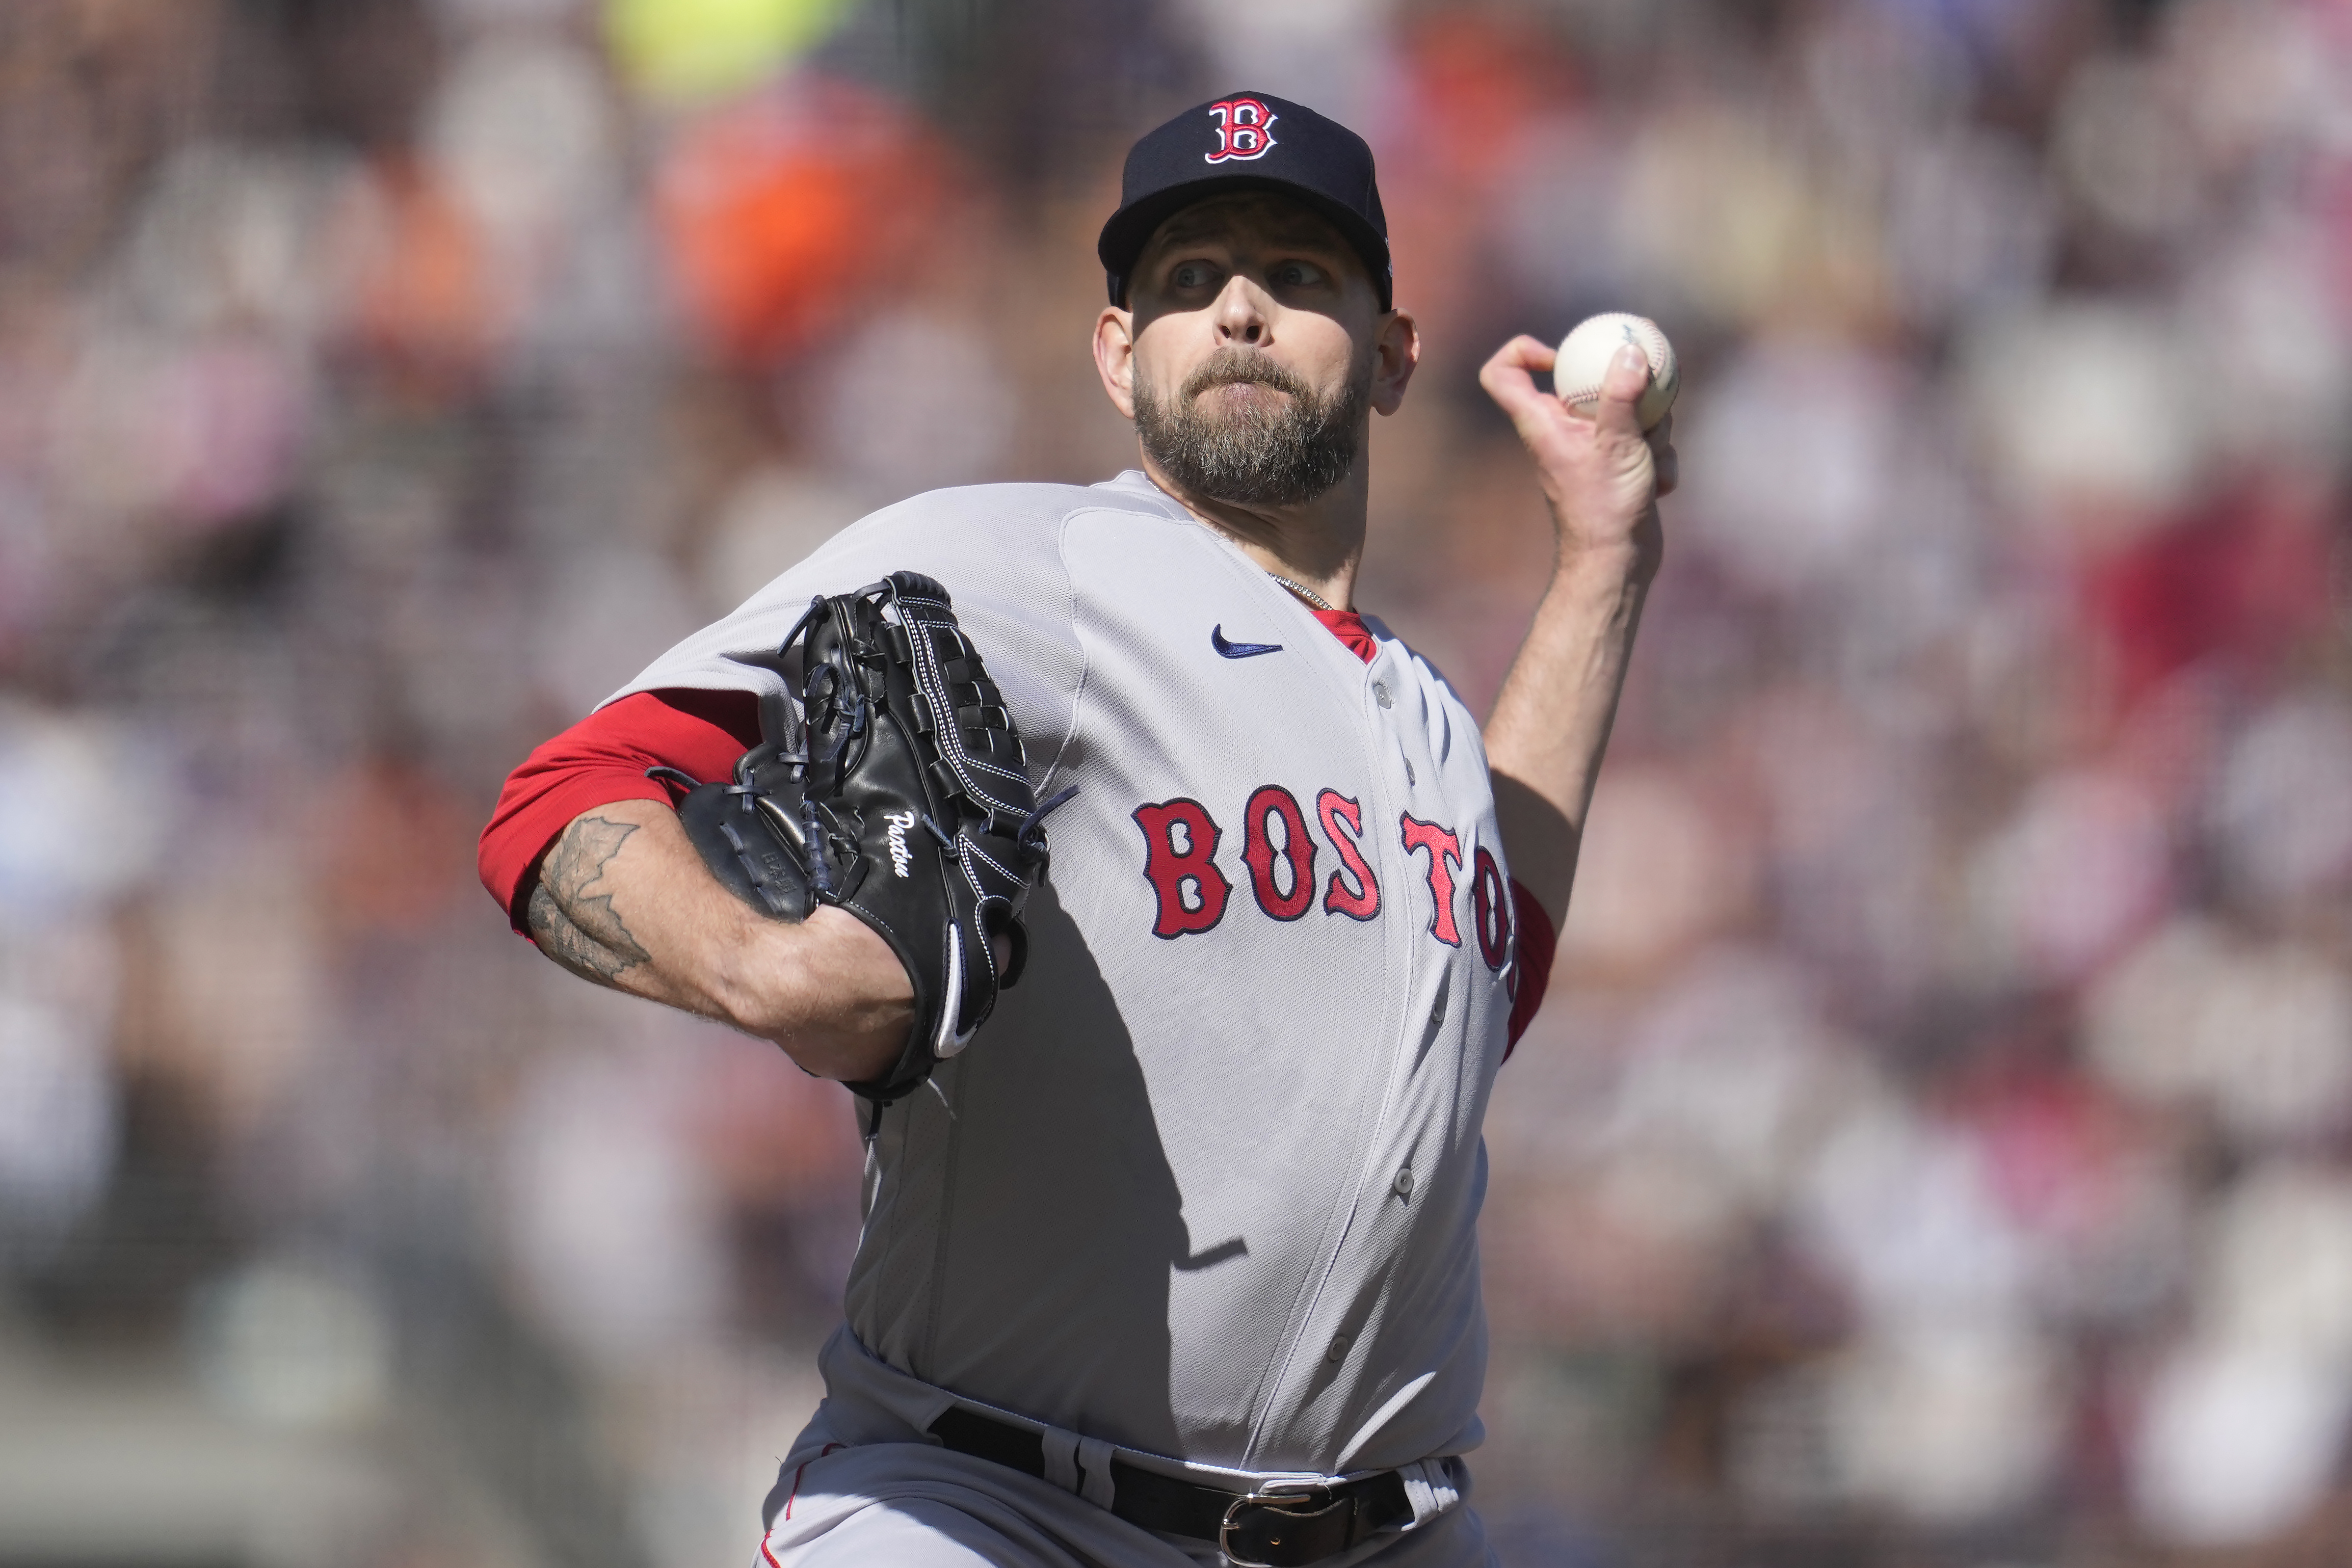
623	899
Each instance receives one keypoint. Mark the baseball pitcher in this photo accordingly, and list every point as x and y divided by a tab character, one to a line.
1168	917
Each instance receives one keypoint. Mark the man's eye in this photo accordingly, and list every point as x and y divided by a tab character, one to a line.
1297	274
1192	275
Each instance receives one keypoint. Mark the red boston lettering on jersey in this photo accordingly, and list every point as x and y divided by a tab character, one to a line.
1442	847
1490	910
1245	131
1259	852
1179	842
1362	900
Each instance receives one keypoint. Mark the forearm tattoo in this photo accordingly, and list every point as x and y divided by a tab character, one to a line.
574	925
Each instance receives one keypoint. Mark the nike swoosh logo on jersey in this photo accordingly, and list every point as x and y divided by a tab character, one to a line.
1239	650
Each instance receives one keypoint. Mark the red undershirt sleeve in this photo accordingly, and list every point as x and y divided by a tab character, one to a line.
1539	944
600	760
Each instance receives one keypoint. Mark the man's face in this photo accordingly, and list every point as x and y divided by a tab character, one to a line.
1255	344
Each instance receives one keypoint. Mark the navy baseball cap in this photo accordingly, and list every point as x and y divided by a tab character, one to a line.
1247	141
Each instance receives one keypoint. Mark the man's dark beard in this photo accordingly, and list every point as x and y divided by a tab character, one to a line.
1259	456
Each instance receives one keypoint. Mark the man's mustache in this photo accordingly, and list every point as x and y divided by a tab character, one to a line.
1237	368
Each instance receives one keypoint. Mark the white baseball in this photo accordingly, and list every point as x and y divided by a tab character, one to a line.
1585	355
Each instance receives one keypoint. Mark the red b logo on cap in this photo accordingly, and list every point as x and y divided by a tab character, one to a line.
1245	130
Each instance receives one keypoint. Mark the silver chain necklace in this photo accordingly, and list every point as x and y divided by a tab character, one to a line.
1301	590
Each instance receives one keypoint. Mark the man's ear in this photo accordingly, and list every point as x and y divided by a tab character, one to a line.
1396	350
1115	357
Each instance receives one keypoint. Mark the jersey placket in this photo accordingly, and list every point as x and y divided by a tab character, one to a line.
1437	1082
1404	776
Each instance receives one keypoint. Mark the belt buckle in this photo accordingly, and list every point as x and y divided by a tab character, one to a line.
1302	1498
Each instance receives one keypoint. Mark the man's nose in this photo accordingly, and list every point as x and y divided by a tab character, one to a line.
1240	316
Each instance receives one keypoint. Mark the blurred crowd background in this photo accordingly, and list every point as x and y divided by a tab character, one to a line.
1937	1148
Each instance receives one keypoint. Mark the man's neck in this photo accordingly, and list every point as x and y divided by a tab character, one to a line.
1318	544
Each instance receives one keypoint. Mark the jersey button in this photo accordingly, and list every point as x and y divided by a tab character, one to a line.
1404	1182
1380	694
1339	1351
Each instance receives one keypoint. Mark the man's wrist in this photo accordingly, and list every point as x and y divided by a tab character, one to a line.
1582	562
829	991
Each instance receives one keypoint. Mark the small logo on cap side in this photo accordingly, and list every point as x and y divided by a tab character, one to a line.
1245	131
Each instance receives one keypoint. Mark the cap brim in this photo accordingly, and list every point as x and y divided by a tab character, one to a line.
1131	228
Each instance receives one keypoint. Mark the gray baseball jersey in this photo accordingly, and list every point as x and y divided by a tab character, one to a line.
1206	1184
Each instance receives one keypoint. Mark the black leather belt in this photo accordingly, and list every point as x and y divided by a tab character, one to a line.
1288	1526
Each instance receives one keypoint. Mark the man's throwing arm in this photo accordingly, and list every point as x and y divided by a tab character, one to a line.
1602	478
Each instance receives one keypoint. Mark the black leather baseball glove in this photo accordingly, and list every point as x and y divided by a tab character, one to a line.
898	793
